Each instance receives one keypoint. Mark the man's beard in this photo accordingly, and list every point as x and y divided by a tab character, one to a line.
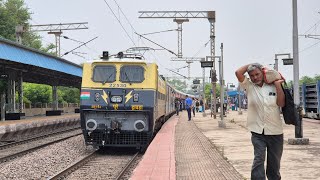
258	82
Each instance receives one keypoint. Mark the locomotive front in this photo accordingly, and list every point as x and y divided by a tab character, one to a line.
117	103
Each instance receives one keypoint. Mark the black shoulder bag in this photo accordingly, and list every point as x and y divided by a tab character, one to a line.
289	111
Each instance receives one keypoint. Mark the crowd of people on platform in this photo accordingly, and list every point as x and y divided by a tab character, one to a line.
193	105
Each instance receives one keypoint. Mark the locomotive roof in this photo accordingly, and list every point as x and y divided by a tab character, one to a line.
121	60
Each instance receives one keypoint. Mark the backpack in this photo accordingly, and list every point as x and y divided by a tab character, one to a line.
289	111
197	103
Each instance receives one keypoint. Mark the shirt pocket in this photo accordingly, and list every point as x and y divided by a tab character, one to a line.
271	100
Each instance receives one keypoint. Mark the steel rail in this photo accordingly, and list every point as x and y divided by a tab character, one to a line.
64	173
14	155
126	167
24	141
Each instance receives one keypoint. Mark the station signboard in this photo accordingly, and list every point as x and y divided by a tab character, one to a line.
288	61
205	64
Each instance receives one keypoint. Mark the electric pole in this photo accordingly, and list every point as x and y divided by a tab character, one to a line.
183	16
57	29
296	95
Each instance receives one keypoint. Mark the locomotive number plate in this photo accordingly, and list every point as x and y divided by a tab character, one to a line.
137	107
96	107
113	85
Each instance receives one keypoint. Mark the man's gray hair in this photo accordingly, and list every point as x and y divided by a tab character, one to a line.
254	66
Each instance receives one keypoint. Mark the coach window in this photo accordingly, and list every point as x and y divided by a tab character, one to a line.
104	74
132	74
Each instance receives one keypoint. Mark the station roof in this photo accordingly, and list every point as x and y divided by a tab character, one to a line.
38	67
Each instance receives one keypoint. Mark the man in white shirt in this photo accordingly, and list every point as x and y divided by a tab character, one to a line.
263	120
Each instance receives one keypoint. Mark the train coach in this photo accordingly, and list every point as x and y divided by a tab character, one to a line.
124	101
310	99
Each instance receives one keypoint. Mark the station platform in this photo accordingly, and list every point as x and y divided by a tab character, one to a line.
200	149
12	130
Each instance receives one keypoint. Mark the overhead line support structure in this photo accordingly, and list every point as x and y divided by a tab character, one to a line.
57	29
183	15
188	60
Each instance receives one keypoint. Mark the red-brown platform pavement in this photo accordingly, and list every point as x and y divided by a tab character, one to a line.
159	160
181	151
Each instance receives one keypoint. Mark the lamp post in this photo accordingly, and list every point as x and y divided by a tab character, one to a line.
276	65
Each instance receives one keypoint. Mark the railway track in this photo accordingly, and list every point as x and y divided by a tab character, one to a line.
98	166
14	150
5	145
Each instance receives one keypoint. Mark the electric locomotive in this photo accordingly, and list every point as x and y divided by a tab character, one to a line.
123	101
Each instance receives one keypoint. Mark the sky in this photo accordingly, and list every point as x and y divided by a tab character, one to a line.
250	30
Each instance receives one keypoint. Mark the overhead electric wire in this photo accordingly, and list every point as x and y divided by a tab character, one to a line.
131	25
157	44
79	46
177	73
309	46
205	45
125	16
137	33
160	32
120	23
312	27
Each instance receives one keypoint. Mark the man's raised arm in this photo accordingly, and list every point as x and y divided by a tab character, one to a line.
241	71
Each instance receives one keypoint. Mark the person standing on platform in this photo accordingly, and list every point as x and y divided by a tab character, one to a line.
188	103
177	106
244	102
201	105
197	105
264	120
193	107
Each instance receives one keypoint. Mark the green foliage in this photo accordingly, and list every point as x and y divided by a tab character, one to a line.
317	77
37	93
14	13
307	80
69	95
208	88
178	84
3	85
50	48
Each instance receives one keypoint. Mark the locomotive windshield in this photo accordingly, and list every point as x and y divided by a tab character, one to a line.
104	74
130	74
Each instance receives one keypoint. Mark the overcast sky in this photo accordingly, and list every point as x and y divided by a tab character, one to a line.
251	30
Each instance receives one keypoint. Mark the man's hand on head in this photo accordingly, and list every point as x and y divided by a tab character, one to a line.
278	82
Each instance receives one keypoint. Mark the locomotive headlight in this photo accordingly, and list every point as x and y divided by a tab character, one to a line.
97	96
91	124
139	125
116	99
135	97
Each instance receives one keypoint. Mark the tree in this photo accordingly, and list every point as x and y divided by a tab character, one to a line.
37	93
178	84
317	77
307	80
69	95
14	13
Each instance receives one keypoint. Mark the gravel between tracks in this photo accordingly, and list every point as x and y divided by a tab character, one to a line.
45	162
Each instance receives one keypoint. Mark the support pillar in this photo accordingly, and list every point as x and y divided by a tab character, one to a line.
2	106
20	91
55	97
179	22
11	93
203	93
213	97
